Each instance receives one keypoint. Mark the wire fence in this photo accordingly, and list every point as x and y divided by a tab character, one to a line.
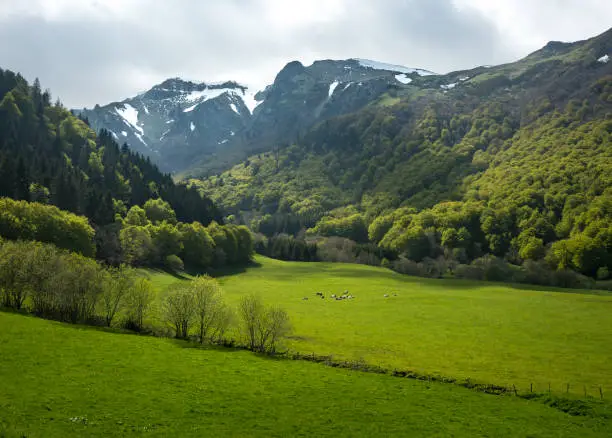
526	391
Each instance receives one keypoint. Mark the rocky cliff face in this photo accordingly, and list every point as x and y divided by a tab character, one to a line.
177	121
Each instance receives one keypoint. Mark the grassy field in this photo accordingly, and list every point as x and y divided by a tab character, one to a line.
491	333
59	380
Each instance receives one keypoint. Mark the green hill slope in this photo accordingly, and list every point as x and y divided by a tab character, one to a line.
526	144
120	385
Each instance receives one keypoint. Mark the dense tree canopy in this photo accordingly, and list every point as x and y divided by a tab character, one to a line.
510	164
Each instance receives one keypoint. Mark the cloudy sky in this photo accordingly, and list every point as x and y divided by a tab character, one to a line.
97	51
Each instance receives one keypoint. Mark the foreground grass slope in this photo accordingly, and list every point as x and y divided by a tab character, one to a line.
492	333
60	381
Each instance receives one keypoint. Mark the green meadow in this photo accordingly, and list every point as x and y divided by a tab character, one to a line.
60	380
490	333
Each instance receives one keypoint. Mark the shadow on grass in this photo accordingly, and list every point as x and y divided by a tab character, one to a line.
191	271
228	271
194	345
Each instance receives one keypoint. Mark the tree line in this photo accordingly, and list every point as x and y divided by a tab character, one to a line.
58	284
145	236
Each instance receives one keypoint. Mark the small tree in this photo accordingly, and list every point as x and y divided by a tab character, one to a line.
262	327
138	303
179	309
223	322
250	311
211	313
117	288
275	326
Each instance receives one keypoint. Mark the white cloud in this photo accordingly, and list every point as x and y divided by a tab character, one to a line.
531	24
96	51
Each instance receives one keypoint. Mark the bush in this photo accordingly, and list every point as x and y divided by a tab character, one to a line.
46	223
174	263
54	283
603	273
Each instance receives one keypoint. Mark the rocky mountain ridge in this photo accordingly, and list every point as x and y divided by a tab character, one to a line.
178	123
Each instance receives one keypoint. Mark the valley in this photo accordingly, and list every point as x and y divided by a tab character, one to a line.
354	248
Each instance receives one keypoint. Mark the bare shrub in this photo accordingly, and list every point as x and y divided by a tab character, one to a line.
262	327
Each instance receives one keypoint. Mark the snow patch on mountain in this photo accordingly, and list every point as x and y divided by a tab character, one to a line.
130	116
191	108
233	107
368	63
332	87
192	126
140	138
206	94
249	101
604	59
449	86
403	78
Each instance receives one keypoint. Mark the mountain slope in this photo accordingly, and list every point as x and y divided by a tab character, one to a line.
179	122
528	142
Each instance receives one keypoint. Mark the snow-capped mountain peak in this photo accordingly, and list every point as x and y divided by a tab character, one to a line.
180	115
368	63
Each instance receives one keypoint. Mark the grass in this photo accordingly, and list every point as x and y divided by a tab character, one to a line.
490	333
62	381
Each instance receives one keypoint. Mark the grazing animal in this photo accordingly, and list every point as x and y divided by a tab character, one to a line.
394	295
345	292
305	299
333	296
386	295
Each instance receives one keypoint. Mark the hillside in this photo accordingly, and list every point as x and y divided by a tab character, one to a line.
120	385
516	157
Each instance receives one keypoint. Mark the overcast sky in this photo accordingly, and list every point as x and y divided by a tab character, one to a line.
98	51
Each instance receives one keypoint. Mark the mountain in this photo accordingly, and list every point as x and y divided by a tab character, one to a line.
180	122
512	161
177	120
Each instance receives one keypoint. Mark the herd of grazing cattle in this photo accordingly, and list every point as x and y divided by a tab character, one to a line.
345	296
